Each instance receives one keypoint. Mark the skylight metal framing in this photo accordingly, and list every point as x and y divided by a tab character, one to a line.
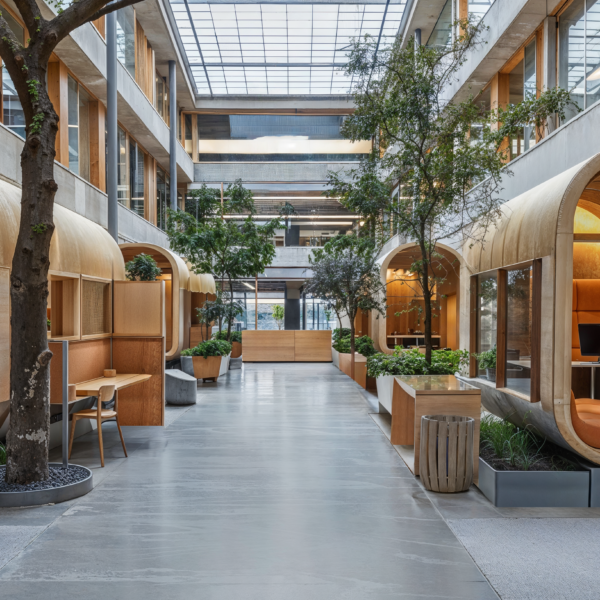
278	48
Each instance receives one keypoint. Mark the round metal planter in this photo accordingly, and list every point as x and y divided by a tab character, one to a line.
49	496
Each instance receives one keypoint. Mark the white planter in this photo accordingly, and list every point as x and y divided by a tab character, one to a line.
224	364
385	388
335	357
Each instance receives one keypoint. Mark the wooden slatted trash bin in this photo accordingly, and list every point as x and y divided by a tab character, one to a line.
446	453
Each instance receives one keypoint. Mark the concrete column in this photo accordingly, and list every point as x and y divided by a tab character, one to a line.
111	126
173	133
549	62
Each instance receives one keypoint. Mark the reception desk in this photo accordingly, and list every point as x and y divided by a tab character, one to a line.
286	346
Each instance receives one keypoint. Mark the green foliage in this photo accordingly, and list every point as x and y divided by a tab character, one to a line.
32	87
278	314
204	203
236	336
36	125
364	345
209	348
223	309
2	454
340	332
447	158
39	228
413	362
487	360
142	268
520	447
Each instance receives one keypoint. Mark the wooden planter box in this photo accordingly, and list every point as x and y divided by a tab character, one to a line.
236	351
360	370
534	488
206	368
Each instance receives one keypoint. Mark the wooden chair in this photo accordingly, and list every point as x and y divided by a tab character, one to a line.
105	395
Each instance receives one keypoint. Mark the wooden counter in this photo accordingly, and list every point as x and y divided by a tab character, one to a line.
286	346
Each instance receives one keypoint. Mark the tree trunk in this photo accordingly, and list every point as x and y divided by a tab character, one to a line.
352	346
230	316
427	302
27	439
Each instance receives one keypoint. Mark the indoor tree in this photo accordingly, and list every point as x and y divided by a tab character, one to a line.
445	159
278	314
345	273
27	438
225	239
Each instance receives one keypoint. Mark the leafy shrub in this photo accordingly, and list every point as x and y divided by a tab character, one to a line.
209	348
2	454
236	336
142	268
363	345
339	333
487	360
413	362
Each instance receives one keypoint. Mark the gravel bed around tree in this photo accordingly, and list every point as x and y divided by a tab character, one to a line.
59	477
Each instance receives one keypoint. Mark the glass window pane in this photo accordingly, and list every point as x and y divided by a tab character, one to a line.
14	118
188	134
162	197
136	169
529	87
73	111
123	178
487	315
84	134
592	48
126	38
571	54
442	32
518	330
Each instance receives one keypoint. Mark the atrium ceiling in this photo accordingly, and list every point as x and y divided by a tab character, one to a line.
278	48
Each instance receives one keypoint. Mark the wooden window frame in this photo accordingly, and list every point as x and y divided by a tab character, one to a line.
110	319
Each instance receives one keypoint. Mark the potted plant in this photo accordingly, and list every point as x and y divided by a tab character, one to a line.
384	368
487	361
142	268
519	468
336	335
204	361
278	315
363	349
235	340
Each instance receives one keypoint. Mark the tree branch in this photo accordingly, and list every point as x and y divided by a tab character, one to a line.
111	8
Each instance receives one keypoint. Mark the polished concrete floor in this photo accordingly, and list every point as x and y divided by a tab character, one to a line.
277	485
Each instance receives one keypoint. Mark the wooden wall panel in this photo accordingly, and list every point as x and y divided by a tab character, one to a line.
58	92
311	346
150	188
4	334
87	360
138	308
268	346
142	404
100	25
98	145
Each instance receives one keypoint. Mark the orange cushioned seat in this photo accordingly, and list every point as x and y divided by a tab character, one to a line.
585	415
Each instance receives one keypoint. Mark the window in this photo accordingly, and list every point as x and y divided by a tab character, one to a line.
122	175
13	116
126	38
79	129
442	32
579	53
275	138
188	134
136	170
518	329
161	98
162	198
487	312
523	84
478	8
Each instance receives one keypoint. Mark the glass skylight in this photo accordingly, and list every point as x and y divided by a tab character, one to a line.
278	49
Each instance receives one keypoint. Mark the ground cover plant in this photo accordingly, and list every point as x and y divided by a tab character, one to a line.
209	348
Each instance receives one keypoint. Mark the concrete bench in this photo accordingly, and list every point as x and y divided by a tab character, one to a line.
180	388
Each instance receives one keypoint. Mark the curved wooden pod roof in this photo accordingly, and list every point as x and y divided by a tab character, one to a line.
78	246
201	282
539	224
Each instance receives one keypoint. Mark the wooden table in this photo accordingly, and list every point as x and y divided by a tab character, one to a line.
417	395
121	381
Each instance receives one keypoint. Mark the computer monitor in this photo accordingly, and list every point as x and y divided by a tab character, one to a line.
589	339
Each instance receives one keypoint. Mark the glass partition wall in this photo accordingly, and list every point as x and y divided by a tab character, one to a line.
506	304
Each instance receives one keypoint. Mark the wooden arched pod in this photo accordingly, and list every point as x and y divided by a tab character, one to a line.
539	226
180	283
406	253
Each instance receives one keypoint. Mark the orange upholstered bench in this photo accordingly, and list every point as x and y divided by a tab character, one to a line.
585	416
